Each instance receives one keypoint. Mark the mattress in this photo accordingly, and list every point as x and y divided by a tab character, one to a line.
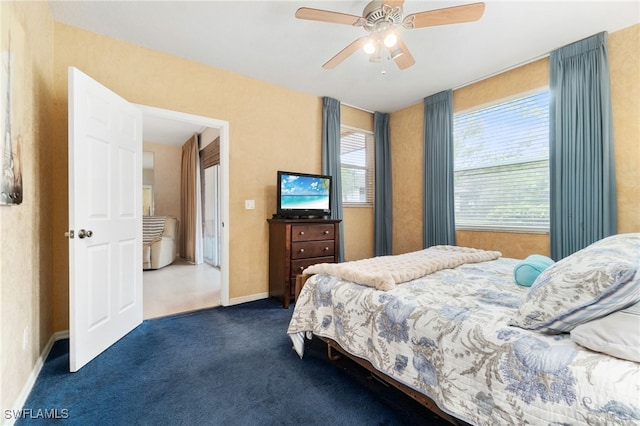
447	336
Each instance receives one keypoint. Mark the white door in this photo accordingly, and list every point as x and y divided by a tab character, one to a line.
105	208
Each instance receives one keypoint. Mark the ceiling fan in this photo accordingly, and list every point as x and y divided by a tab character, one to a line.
383	20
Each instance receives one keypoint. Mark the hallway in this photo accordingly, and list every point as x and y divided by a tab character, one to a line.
180	287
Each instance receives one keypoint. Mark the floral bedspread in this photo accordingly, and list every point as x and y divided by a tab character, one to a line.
446	335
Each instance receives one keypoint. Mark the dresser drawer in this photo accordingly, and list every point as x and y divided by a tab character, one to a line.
305	249
297	266
312	232
296	244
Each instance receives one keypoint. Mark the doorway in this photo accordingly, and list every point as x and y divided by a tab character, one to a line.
105	260
220	256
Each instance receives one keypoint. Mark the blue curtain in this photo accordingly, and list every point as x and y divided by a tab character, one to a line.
382	209
331	159
439	213
582	171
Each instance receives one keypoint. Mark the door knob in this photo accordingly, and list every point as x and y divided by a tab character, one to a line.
82	233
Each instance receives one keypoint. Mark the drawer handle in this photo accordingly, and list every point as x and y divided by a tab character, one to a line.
326	249
301	232
301	250
326	232
301	268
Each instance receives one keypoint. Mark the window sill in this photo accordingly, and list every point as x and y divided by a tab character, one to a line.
357	206
513	230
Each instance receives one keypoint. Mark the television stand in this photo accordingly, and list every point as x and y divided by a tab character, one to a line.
294	245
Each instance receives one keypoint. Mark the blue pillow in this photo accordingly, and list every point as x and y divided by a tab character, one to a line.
526	271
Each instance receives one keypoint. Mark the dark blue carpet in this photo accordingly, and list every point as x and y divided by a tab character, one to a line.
221	366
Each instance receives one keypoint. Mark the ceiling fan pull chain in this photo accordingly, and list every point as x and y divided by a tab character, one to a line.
384	71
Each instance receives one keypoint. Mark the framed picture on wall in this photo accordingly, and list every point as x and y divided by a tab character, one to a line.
11	178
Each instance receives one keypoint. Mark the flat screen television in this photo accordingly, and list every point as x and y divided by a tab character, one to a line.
303	195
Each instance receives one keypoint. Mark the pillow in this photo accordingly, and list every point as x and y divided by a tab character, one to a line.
617	334
526	271
589	284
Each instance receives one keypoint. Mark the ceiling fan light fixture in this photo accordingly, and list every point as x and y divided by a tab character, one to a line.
390	39
369	47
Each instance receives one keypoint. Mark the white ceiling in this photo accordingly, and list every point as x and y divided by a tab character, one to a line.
168	132
263	40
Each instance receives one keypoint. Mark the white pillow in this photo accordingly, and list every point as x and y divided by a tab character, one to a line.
591	283
617	334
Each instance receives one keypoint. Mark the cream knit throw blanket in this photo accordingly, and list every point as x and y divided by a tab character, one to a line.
384	272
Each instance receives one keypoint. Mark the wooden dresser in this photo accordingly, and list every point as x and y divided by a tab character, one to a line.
295	244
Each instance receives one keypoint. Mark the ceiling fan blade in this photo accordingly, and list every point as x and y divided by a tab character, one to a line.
328	16
344	53
394	3
448	15
405	60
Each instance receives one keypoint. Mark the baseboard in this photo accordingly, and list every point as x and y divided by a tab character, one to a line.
31	380
249	298
60	335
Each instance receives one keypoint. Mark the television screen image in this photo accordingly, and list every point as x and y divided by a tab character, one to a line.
304	192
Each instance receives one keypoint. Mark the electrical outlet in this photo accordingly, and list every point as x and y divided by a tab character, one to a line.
249	204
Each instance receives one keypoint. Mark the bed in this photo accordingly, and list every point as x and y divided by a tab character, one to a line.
484	349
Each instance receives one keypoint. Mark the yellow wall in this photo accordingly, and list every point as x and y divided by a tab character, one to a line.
270	128
407	150
25	229
624	62
405	134
357	221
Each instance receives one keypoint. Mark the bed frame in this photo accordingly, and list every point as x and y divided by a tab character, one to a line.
417	396
422	399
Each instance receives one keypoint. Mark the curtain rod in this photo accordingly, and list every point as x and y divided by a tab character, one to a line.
521	64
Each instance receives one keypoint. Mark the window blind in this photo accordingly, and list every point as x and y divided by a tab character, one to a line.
210	154
502	165
356	158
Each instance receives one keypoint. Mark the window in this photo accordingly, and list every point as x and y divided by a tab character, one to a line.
356	163
502	166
